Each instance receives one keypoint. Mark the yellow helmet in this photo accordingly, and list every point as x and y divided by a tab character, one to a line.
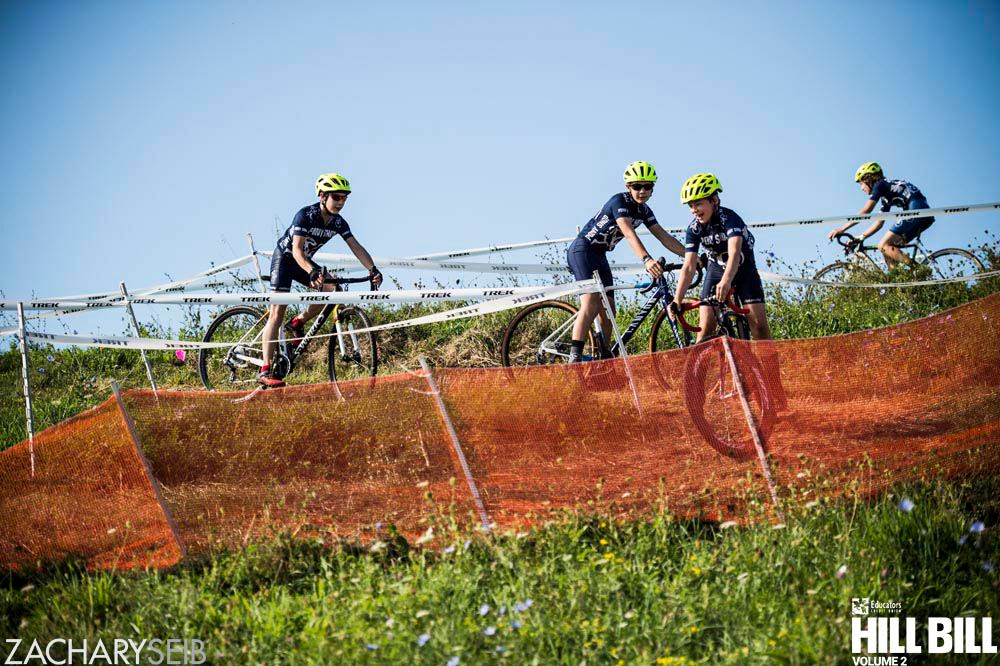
332	182
867	168
699	186
640	172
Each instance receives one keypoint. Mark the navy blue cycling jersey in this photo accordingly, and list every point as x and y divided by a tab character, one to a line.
309	224
715	235
895	193
602	231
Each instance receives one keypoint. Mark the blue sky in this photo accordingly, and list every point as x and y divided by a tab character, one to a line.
147	138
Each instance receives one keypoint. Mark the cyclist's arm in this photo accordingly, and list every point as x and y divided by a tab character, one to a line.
366	259
299	254
684	277
625	224
868	207
668	241
735	248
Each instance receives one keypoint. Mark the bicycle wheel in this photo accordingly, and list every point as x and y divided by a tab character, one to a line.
233	368
839	271
953	262
540	334
714	403
353	356
662	336
736	326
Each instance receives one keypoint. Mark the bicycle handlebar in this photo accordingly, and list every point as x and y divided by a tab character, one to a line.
848	242
667	268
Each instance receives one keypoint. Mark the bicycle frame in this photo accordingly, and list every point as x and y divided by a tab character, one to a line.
915	249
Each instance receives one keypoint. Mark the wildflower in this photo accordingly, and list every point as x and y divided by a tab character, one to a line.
379	525
905	505
50	358
726	525
742	577
882	290
962	539
422	639
987	566
842	571
181	355
525	605
371	647
465	546
427	536
693	629
977	527
449	550
500	649
41	371
453	661
604	542
489	631
502	611
422	613
390	622
484	610
609	556
515	625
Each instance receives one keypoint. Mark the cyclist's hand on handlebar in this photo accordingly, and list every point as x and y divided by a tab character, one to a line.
833	234
653	267
375	275
674	310
316	277
722	289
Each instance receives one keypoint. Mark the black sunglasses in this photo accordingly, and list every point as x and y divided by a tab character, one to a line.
641	187
337	196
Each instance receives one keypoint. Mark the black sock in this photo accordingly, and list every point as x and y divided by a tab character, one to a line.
576	347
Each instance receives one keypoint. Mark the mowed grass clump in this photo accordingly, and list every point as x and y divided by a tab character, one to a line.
584	589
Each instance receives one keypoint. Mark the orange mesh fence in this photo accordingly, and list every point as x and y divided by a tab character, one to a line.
90	497
854	412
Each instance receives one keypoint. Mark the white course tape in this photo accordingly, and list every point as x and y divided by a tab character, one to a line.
949	210
346	261
777	277
288	298
486	307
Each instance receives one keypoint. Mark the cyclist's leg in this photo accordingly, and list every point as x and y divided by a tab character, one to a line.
902	232
315	308
889	247
582	263
706	314
750	291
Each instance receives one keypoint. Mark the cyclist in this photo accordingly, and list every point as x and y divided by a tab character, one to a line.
292	261
729	245
899	193
617	219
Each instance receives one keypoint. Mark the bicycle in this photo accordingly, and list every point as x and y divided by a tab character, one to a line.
541	333
349	357
947	263
711	392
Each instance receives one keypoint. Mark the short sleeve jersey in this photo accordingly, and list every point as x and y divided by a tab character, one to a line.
309	224
602	231
894	193
715	235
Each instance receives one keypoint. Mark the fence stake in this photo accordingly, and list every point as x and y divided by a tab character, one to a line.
621	345
483	516
256	262
27	385
138	334
758	441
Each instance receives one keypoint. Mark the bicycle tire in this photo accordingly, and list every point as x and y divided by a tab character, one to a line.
361	358
217	367
737	326
954	262
524	335
720	419
661	335
838	271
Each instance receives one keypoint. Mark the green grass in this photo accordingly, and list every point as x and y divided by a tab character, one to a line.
656	591
661	590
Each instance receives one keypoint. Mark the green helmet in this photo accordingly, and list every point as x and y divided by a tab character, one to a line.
332	182
699	186
867	168
640	172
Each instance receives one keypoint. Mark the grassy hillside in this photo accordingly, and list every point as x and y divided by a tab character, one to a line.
581	589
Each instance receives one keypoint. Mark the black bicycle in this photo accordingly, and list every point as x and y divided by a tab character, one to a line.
541	333
350	355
